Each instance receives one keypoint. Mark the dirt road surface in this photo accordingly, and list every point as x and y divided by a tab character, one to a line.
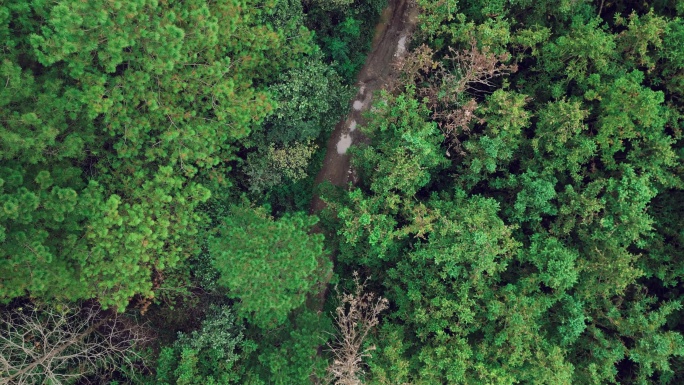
392	35
390	41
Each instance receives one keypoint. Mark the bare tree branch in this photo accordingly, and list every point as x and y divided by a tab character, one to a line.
450	86
51	345
356	317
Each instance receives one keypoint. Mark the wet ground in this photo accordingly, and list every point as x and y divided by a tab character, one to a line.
392	35
391	38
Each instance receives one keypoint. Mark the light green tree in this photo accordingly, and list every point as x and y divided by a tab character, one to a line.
270	265
118	118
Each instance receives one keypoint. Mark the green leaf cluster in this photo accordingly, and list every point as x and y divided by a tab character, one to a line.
118	120
540	244
208	356
269	264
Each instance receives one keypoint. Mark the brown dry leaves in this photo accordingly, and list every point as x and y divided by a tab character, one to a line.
356	316
450	86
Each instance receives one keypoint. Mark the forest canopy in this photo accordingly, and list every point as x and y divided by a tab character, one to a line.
515	215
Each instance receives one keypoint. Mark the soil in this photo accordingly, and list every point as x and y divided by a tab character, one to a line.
390	40
392	35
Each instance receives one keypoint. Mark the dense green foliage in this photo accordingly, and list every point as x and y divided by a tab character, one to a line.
205	356
270	265
520	197
308	103
287	354
541	241
118	119
122	122
344	29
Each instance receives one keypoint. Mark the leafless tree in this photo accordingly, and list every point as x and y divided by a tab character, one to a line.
51	345
355	318
474	69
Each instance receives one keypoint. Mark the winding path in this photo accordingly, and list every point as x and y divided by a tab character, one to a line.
390	41
391	38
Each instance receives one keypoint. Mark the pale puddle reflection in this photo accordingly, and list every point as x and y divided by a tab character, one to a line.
401	46
344	143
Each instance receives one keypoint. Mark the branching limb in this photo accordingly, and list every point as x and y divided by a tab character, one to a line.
450	86
49	345
357	315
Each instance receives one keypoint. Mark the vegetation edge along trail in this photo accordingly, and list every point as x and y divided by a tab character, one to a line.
392	34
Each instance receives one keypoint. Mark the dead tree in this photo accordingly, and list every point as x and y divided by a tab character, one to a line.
356	316
54	345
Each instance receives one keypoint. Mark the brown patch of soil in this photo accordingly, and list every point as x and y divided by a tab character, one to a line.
397	22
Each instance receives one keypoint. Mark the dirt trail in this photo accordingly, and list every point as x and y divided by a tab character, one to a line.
391	38
390	41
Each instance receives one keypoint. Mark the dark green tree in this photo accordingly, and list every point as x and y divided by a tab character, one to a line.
208	356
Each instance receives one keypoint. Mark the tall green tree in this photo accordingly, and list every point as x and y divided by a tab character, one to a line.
118	118
269	265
